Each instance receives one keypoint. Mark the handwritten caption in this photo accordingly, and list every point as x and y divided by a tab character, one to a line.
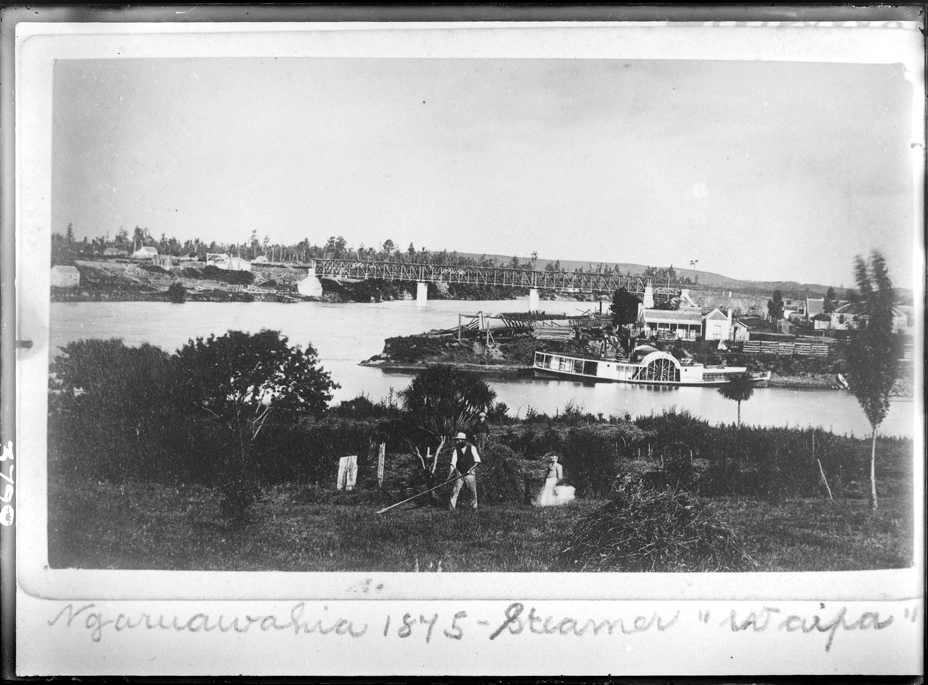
515	620
6	511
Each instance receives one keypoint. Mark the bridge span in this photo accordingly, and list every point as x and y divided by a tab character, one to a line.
561	281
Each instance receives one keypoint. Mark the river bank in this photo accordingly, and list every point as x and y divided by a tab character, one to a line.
124	280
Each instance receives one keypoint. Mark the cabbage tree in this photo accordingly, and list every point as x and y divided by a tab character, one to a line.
739	388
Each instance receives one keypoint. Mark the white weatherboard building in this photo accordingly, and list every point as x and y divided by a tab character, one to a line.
683	324
65	277
224	261
145	252
716	325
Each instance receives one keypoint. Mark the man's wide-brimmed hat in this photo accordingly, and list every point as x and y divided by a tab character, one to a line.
460	436
483	414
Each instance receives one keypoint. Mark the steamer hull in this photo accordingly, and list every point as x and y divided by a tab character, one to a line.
655	368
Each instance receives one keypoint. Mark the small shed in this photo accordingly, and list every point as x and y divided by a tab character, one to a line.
740	331
165	261
65	277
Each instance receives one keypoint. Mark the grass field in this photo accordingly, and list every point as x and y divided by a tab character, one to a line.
146	526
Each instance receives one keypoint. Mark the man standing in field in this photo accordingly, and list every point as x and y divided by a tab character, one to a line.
481	430
464	460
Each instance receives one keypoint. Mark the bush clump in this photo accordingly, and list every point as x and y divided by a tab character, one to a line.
502	476
592	455
648	529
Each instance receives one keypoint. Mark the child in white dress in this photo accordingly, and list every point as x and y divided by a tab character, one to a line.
552	494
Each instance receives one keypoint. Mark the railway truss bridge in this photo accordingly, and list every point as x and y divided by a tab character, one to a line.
422	274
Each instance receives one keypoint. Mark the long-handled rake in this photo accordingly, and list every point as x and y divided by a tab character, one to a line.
424	492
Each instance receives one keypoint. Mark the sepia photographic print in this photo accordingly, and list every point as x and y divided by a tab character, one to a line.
560	346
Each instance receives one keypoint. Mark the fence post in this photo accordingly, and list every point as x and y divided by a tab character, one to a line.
380	461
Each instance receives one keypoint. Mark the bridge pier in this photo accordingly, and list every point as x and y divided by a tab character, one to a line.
533	299
422	293
310	286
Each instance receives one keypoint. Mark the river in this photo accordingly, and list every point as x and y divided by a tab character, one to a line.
345	334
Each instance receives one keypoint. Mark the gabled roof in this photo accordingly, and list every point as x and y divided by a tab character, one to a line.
716	315
681	316
815	306
752	320
851	309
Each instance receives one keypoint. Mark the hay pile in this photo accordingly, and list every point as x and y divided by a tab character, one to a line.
647	529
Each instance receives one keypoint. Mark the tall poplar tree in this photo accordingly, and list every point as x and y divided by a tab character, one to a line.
871	362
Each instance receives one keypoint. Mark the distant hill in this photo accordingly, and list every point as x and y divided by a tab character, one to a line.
702	278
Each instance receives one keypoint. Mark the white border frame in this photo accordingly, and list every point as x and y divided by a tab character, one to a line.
39	45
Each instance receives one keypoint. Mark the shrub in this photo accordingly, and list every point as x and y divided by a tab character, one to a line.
177	293
592	455
361	407
412	348
678	470
647	529
502	476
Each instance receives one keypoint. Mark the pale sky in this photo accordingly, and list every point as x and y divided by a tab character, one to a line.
761	171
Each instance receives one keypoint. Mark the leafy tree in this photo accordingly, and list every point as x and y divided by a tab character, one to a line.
624	307
388	246
139	237
871	359
775	306
238	380
109	400
739	388
122	239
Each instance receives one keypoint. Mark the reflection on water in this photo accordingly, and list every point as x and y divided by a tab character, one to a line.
345	334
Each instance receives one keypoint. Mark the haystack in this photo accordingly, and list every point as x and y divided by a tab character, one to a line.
647	529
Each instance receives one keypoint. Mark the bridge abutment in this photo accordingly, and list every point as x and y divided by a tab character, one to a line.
533	299
422	293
